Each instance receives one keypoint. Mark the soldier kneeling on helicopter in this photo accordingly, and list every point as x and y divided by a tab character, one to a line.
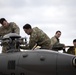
37	38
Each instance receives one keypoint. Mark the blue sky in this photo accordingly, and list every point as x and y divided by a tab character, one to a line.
48	15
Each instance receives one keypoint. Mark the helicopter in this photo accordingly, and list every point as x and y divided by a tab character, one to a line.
34	62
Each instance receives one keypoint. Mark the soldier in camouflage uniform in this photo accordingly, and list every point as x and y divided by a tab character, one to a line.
56	45
8	28
37	37
72	49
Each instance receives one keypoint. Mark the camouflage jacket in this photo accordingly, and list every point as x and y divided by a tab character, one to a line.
56	45
54	40
12	28
71	50
40	38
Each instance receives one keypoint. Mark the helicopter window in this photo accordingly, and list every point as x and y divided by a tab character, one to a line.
11	64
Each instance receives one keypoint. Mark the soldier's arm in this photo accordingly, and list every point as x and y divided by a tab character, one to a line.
58	46
32	43
16	28
30	46
33	40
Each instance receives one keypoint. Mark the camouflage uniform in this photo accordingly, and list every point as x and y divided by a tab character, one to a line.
71	50
12	28
54	40
56	45
40	38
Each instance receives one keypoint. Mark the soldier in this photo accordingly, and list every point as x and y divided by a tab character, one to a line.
55	42
37	37
8	28
72	49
